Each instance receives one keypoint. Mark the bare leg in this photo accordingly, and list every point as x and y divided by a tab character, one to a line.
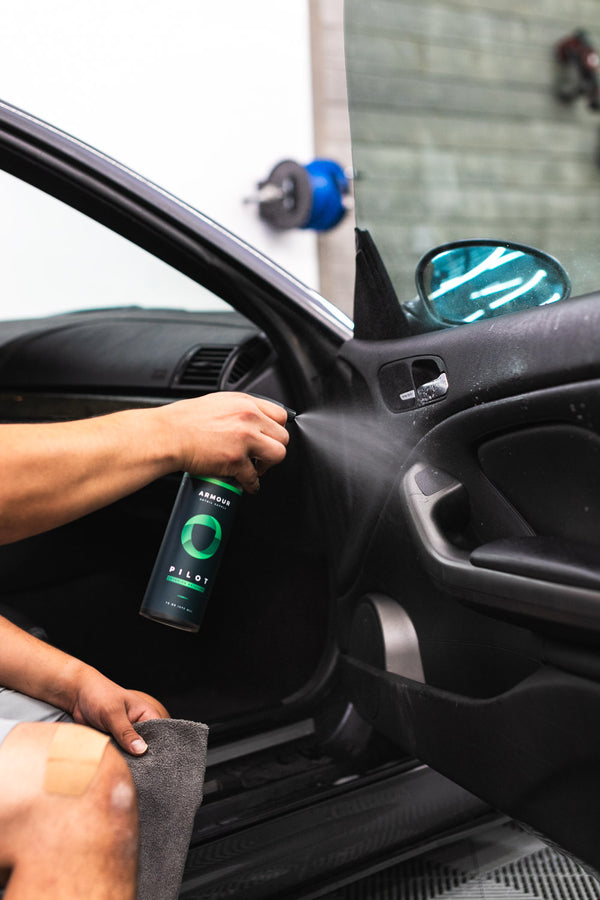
65	847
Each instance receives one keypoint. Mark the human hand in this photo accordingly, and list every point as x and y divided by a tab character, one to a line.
104	705
227	434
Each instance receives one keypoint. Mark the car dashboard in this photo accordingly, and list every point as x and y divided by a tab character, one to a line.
80	364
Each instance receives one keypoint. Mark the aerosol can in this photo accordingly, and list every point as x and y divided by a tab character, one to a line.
191	550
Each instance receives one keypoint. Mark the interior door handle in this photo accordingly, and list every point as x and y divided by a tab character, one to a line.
530	592
432	390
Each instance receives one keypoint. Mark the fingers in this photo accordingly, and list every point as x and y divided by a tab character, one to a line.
247	476
221	434
137	707
114	710
143	707
273	410
270	449
119	725
266	451
270	424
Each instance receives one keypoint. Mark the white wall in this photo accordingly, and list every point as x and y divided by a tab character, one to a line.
202	97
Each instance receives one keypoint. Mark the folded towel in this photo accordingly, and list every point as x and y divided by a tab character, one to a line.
169	779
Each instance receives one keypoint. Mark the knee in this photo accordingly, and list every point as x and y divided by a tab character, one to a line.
111	804
113	784
102	820
82	829
99	816
80	762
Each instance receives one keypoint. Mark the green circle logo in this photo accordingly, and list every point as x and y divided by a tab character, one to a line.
187	537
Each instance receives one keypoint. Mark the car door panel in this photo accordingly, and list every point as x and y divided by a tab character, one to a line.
488	540
526	462
544	776
533	580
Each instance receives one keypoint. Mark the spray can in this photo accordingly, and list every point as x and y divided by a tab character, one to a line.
191	551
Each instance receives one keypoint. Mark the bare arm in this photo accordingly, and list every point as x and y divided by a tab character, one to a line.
35	668
54	473
51	474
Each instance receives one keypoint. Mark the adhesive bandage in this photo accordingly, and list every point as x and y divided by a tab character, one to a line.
73	758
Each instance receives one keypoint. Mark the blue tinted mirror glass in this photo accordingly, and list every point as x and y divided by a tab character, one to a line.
471	280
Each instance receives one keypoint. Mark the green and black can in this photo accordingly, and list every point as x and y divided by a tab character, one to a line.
191	551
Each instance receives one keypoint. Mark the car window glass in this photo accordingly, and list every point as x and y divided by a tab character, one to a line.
55	259
459	132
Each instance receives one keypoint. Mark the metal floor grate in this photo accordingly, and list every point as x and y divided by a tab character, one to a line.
504	863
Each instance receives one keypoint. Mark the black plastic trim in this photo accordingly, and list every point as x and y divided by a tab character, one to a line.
524	598
532	751
546	558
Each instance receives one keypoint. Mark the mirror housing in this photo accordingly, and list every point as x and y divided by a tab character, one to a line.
464	281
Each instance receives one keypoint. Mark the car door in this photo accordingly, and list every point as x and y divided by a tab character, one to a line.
471	611
469	591
59	361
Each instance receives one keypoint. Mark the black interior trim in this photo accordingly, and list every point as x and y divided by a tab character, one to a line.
545	558
528	593
544	774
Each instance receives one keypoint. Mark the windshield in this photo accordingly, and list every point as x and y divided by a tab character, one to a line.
472	120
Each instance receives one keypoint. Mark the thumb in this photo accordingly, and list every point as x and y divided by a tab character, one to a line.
247	477
125	734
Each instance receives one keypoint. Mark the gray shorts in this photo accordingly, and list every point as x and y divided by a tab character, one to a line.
16	708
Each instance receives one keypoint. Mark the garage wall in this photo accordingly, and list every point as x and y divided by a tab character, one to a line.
457	132
201	97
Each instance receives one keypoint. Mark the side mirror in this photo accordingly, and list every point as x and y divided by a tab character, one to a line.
466	281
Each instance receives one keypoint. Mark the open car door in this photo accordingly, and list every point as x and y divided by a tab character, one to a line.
473	613
469	570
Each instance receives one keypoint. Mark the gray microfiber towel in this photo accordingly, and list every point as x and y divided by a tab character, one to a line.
169	779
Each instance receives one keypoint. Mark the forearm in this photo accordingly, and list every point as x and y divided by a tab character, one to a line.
54	473
34	667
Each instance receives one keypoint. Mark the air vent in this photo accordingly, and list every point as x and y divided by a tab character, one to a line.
249	359
204	367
